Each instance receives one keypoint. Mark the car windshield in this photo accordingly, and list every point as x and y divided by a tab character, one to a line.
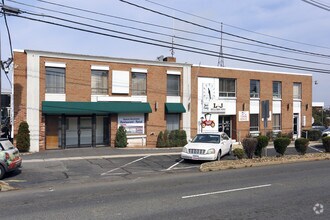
7	145
207	138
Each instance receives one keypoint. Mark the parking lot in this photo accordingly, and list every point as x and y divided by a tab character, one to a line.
49	170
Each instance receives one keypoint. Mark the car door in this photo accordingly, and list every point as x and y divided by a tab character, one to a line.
226	143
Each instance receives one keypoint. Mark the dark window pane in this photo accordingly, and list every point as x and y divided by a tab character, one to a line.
139	84
55	80
173	85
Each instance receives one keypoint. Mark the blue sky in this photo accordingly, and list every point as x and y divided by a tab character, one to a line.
289	19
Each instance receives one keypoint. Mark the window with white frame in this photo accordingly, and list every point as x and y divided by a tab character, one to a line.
55	80
254	88
139	84
254	122
276	122
277	89
99	82
173	85
296	90
227	87
172	122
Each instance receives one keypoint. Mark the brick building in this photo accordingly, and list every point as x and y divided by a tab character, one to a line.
72	100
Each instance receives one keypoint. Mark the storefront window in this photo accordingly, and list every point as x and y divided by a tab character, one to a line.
172	122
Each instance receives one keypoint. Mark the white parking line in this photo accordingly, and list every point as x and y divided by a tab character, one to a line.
226	191
125	165
174	165
315	149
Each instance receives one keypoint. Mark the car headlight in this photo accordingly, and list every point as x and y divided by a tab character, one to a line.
210	151
185	150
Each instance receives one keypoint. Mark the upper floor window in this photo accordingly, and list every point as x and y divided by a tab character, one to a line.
296	90
254	88
173	85
55	80
277	89
99	82
139	84
227	87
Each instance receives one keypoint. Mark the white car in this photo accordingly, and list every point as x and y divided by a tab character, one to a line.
326	132
207	146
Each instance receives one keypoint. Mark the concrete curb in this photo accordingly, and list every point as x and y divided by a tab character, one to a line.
5	187
237	164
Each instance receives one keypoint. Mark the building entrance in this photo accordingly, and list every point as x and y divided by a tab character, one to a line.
225	125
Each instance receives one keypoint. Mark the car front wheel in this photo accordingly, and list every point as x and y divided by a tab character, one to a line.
2	172
219	155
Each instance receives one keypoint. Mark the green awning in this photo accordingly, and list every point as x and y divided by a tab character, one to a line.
174	108
99	108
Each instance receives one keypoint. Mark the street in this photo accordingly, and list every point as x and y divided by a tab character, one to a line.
288	191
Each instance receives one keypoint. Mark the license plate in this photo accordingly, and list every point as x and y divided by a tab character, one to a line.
195	157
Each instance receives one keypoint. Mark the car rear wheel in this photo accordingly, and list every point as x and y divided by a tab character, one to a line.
2	172
219	156
230	150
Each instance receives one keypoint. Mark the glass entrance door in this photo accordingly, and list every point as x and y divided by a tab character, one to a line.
295	125
225	125
78	131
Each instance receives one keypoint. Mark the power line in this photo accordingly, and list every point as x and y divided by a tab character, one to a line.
151	24
159	33
191	49
232	26
213	29
318	4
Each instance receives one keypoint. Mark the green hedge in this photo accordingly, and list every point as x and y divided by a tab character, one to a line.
312	135
326	144
175	138
262	143
239	153
301	145
121	137
249	146
280	144
23	137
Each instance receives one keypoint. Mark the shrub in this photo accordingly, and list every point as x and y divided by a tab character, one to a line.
23	137
326	144
280	144
182	138
160	140
301	145
262	143
239	153
166	140
313	135
121	138
285	135
249	145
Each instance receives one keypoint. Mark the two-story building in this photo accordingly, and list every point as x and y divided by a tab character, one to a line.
72	100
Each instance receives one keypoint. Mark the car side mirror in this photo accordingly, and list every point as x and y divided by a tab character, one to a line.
190	140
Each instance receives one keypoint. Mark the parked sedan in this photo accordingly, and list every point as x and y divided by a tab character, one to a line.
326	132
207	146
9	157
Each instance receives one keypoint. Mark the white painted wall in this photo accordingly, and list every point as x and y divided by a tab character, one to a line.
186	100
32	100
254	106
277	107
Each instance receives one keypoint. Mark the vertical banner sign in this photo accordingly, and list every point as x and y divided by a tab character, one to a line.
265	111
